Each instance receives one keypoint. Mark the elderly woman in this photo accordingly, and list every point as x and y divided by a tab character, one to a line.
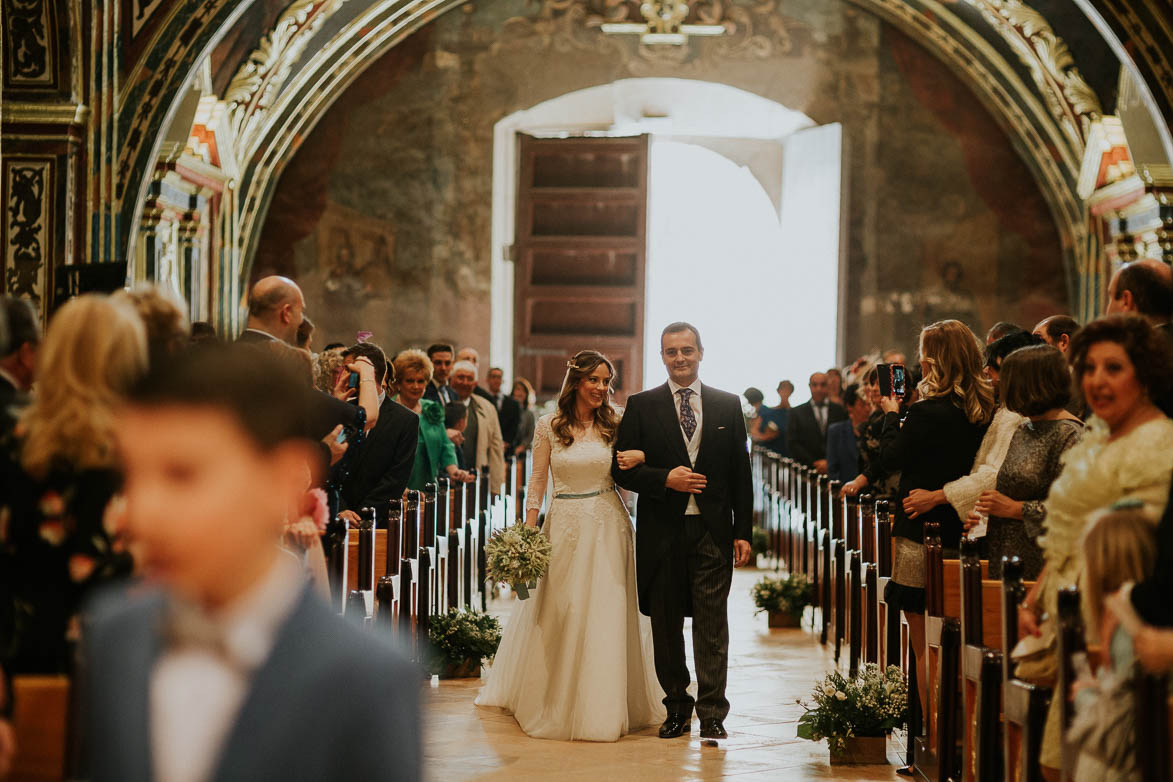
1120	366
1036	384
434	453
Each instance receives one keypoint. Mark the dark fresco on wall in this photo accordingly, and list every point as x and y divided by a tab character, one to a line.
384	211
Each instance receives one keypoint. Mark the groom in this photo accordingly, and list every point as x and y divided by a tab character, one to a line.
693	519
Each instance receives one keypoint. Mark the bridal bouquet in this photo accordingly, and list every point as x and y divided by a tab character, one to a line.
518	556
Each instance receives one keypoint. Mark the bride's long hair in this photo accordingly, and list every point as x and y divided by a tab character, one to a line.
606	418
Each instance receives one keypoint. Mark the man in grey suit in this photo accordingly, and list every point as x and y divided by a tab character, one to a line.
227	667
694	522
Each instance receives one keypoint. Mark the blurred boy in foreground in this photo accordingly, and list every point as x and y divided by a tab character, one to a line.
226	666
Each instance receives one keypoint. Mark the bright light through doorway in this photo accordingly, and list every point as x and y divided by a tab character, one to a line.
719	258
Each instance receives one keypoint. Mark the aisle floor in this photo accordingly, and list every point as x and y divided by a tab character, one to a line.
769	671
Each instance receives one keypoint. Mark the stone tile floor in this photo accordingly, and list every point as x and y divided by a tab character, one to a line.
769	671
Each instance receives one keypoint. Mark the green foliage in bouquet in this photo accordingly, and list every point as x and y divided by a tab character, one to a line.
874	703
760	543
517	555
790	595
462	635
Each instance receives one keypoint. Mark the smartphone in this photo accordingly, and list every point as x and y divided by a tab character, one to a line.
352	382
892	379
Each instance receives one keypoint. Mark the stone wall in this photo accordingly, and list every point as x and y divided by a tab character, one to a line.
385	209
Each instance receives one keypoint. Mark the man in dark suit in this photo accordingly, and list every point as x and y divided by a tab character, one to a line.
508	408
807	427
695	521
229	667
441	355
842	442
275	309
18	361
377	469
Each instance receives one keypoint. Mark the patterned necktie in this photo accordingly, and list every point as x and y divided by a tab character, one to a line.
687	419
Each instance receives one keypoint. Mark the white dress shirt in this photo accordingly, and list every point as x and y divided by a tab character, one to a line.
196	692
694	445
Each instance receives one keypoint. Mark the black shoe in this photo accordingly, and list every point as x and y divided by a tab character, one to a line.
713	729
676	725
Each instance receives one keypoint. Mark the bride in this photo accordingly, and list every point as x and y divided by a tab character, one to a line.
575	662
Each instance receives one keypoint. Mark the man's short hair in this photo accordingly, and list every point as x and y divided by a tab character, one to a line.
1035	379
1151	292
497	369
999	349
440	347
375	355
1058	325
24	327
454	413
1001	329
679	326
265	395
464	366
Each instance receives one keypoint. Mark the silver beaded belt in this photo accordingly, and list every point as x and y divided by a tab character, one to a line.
585	496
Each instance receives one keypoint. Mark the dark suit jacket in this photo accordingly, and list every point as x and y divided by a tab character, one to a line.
441	395
842	452
1150	597
483	394
247	337
807	444
509	416
332	702
380	466
650	424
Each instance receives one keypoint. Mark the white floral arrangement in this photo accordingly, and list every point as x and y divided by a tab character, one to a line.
518	556
874	703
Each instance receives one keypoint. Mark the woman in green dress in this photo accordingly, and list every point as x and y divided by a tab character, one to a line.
435	454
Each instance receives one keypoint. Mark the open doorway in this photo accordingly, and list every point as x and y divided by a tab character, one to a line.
743	223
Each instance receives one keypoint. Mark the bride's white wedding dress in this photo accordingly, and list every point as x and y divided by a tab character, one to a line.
575	662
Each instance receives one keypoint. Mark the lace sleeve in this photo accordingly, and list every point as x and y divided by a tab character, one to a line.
535	492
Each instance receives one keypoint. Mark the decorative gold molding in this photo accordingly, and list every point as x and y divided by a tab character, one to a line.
47	113
258	82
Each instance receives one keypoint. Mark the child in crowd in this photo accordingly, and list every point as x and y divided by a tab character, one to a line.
1119	549
226	664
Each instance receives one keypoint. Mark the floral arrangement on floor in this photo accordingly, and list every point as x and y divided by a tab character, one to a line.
459	636
518	556
874	703
790	595
760	542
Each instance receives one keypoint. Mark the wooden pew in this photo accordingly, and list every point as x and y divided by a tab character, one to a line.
1024	706
869	624
981	669
853	582
838	575
888	621
41	722
1072	642
936	753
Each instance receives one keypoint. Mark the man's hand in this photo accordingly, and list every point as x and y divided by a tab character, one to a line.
742	552
351	518
456	436
684	480
337	449
821	466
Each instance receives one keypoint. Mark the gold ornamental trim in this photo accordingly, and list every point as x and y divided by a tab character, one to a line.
46	113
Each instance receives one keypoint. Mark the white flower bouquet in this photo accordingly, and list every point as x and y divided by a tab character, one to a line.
874	703
518	556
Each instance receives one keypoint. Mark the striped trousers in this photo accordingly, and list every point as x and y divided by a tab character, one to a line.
695	574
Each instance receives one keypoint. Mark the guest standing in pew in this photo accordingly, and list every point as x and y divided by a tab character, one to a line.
434	453
1150	597
275	311
61	538
456	422
963	492
807	425
1057	331
1126	453
508	409
523	392
483	444
771	426
934	444
1036	384
843	436
1118	548
873	475
225	665
378	468
441	357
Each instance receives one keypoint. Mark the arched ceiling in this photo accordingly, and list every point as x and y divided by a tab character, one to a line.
1044	71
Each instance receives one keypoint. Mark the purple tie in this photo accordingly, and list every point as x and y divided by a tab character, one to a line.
687	419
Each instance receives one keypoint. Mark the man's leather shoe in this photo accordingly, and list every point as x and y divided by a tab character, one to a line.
676	725
713	729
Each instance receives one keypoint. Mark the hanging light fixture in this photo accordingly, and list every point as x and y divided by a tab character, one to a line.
664	25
